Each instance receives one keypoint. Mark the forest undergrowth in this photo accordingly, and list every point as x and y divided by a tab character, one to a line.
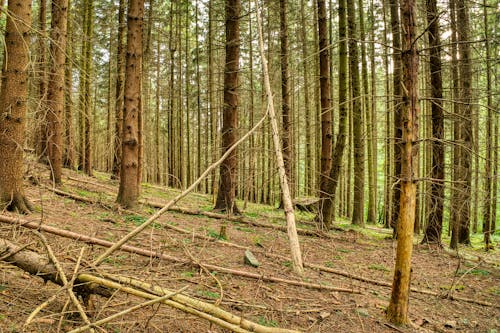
325	302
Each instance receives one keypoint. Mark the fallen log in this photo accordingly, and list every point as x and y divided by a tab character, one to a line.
38	265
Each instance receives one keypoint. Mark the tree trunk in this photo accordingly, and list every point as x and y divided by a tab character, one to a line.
55	94
435	217
357	118
41	113
490	143
397	102
89	34
69	152
397	311
328	209
129	191
227	182
388	148
465	138
326	105
287	132
13	106
120	75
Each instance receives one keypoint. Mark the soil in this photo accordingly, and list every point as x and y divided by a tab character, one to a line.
365	252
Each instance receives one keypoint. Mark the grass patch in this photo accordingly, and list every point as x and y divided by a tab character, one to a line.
458	287
214	234
378	268
267	322
209	294
481	272
135	219
188	274
344	250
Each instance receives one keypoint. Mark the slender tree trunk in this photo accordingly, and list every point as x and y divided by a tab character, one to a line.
228	168
120	75
372	125
328	209
287	131
13	106
490	143
158	170
55	94
465	108
366	107
397	311
129	189
87	87
69	156
41	114
388	147
435	217
357	112
397	102
326	105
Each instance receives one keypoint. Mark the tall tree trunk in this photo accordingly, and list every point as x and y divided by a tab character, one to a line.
435	217
309	160
397	111
120	75
13	106
328	209
41	113
397	311
129	189
368	118
455	193
287	132
228	168
465	138
55	94
388	147
326	105
69	152
87	87
357	117
157	158
490	143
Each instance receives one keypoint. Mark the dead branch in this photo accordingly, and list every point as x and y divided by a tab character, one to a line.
38	265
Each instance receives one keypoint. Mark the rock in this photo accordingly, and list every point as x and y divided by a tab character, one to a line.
250	259
450	324
323	315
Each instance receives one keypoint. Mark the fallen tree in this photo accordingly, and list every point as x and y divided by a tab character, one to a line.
36	264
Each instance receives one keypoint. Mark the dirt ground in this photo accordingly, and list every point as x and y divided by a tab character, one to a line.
368	253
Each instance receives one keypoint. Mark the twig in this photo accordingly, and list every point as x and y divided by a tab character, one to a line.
62	275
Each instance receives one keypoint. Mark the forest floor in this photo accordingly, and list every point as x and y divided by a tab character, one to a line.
365	252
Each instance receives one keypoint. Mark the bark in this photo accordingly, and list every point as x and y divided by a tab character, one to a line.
326	102
397	311
435	218
465	138
69	152
87	93
13	106
287	131
38	265
55	94
388	148
328	208
120	76
297	264
357	118
228	169
41	113
128	191
398	129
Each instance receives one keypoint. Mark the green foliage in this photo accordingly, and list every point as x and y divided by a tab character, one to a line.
209	294
266	322
115	261
458	287
214	234
287	263
245	229
481	272
378	267
135	219
188	274
344	250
